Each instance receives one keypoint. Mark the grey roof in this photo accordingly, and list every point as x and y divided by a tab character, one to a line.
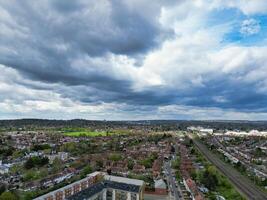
122	186
88	192
91	191
120	183
124	180
160	184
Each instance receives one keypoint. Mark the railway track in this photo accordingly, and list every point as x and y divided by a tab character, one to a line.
242	183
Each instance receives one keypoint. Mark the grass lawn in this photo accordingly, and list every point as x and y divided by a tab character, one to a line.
89	133
86	133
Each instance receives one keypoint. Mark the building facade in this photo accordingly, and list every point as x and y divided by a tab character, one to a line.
99	186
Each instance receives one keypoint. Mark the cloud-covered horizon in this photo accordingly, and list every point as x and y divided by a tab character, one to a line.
133	59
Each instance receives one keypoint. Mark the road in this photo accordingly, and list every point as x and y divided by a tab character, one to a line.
178	186
171	181
242	183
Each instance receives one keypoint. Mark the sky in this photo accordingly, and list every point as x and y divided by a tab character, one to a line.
133	59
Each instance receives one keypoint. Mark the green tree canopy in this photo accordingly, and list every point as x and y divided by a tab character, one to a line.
130	164
209	178
115	157
86	170
8	196
36	161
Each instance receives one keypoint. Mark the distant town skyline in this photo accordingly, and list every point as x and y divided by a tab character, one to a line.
133	59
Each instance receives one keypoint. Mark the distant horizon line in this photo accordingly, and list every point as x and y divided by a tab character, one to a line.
139	120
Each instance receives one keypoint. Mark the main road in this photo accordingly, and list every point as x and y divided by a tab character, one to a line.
242	183
171	182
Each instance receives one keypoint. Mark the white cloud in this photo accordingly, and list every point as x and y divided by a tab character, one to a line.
188	60
248	7
220	99
250	27
209	113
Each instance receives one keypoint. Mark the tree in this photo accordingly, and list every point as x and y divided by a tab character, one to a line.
115	157
17	154
99	163
7	151
36	161
172	149
148	162
192	151
8	196
38	147
86	170
130	164
29	164
209	178
178	175
57	165
2	188
258	152
29	195
69	147
30	175
240	166
47	151
193	174
43	172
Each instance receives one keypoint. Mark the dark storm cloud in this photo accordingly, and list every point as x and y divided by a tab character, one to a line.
115	94
67	6
138	33
83	28
48	37
92	28
225	92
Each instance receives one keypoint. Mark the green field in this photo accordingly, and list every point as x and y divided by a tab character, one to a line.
88	133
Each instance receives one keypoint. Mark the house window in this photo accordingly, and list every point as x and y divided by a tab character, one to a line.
133	196
49	198
59	195
109	194
68	192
